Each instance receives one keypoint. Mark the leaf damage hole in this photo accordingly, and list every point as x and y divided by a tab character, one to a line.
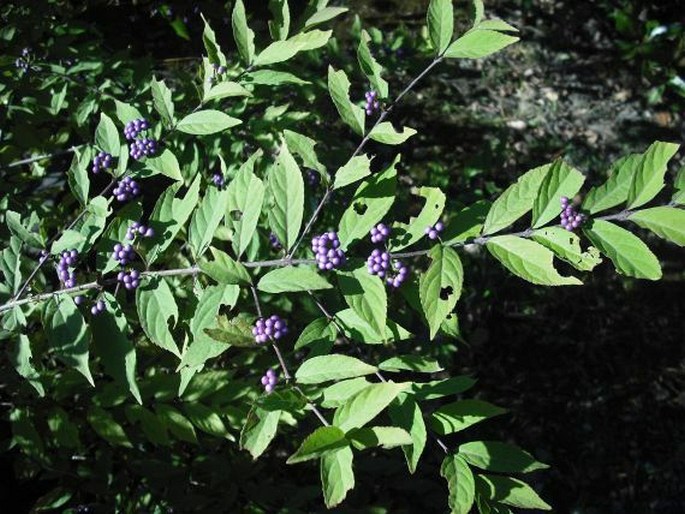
360	208
446	292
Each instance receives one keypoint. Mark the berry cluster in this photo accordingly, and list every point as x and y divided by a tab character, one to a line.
570	218
394	272
130	279
102	161
145	147
372	104
327	251
23	62
123	254
218	180
272	328
66	275
137	228
380	233
97	307
126	189
378	262
269	380
135	127
399	276
434	231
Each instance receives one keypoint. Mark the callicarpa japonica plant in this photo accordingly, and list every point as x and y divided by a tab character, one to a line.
225	273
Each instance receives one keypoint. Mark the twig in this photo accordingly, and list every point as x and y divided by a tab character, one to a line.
36	158
365	139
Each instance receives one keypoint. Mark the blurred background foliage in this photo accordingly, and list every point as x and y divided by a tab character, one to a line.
594	376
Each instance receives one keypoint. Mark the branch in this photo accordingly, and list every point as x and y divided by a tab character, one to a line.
360	147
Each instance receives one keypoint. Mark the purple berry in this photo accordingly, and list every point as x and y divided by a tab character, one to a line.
146	147
129	279
379	233
372	104
123	254
275	243
101	161
434	231
135	127
569	219
126	189
218	180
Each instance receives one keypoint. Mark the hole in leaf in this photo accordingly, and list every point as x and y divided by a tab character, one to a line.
446	292
360	208
236	215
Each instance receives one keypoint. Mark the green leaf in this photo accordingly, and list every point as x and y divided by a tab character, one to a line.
366	296
57	100
303	146
615	190
243	35
10	263
566	246
292	279
339	89
406	234
440	287
440	388
366	405
287	188
206	220
529	260
205	122
370	66
205	419
156	304
107	136
259	430
13	220
461	414
245	200
415	363
163	164
318	331
440	21
649	177
466	224
106	427
225	89
337	394
280	51
385	437
202	347
561	180
406	414
630	255
112	344
177	423
153	428
337	476
77	176
509	491
318	443
126	112
116	233
460	483
21	358
476	44
161	99
385	133
665	222
372	200
68	334
323	15
500	25
479	11
224	269
280	25
273	78
499	457
356	169
516	200
325	368
169	216
355	328
236	331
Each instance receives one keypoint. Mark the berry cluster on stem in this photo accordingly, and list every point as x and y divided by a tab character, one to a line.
570	218
126	189
138	229
101	161
66	275
435	231
269	380
269	329
372	104
327	251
